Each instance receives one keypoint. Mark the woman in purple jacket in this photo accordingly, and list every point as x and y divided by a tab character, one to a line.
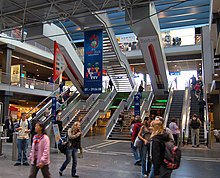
40	152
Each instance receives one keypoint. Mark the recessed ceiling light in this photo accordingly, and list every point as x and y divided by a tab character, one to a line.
38	75
23	65
37	69
200	64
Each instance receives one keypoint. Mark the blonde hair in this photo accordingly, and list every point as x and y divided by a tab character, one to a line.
75	126
157	128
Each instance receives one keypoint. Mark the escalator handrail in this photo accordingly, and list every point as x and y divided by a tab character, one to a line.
168	105
99	105
188	109
146	104
114	119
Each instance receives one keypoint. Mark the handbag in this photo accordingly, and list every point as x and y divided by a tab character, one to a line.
137	142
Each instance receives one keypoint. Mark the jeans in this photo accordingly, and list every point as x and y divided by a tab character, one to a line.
145	153
22	145
164	173
69	152
136	152
34	170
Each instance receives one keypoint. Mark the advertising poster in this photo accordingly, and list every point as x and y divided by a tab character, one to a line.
56	133
137	105
93	49
15	73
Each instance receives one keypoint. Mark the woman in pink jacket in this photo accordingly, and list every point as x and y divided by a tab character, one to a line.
40	152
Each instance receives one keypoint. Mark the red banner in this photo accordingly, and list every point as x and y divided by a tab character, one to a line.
59	63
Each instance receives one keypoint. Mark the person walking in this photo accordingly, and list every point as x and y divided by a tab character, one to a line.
74	143
23	128
136	149
158	137
175	130
33	123
195	124
144	135
40	152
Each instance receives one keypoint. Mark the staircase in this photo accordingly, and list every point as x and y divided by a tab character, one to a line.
78	117
195	110
114	61
117	134
176	107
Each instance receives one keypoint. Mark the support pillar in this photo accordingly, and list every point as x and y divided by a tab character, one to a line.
5	98
6	62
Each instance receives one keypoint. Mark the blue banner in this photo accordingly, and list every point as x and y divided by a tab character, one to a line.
53	113
137	105
93	49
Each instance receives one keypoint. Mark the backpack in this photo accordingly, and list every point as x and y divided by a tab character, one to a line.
172	156
195	124
63	144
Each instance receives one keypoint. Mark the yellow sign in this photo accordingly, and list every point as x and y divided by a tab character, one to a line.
15	73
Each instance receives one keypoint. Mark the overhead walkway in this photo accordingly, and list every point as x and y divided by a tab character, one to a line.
46	34
148	32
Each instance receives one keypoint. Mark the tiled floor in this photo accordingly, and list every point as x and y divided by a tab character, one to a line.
113	159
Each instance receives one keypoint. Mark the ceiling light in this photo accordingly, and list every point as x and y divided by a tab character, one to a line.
23	66
200	64
216	75
174	65
38	75
37	70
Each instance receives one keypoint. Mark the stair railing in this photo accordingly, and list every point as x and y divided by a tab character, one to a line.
121	57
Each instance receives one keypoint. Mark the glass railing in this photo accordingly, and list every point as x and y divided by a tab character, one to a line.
24	82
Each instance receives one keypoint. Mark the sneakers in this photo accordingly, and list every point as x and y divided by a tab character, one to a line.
17	164
60	173
75	176
26	164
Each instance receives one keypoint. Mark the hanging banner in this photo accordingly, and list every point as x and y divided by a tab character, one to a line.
93	47
59	62
53	113
137	105
56	133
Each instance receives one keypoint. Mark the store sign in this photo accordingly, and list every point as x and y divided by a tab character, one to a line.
174	73
93	49
15	73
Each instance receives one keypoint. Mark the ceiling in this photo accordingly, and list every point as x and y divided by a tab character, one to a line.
171	13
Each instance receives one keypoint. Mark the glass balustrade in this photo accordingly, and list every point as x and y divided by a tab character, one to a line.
16	80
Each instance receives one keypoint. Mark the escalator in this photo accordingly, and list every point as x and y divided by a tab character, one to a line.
176	107
194	109
53	33
116	133
101	106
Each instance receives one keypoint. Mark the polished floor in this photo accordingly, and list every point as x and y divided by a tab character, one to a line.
113	159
